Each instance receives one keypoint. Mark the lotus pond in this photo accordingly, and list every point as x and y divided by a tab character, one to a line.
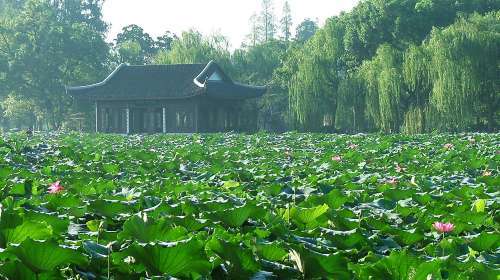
264	206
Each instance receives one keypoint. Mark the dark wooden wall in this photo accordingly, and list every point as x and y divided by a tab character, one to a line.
193	115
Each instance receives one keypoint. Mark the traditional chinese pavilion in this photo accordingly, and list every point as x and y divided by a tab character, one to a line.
180	98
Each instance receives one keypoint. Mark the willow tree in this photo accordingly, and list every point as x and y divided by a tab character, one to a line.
193	47
313	87
385	88
350	115
464	71
417	118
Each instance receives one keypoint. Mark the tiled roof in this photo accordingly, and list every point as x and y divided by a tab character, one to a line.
164	82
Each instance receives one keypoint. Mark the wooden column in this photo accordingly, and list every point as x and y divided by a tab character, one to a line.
150	120
116	120
164	119
96	117
196	117
104	120
128	119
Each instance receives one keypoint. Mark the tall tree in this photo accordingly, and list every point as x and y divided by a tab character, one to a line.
313	87
350	115
385	88
464	71
256	65
164	42
46	51
286	22
255	30
305	30
268	20
134	45
193	47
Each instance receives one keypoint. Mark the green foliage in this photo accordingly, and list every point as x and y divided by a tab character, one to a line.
408	66
134	46
379	52
192	47
249	206
136	228
305	30
313	89
179	259
19	110
48	45
350	115
258	65
384	88
45	256
464	70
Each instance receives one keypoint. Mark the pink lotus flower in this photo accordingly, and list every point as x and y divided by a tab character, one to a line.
56	188
443	227
392	181
399	169
448	146
337	158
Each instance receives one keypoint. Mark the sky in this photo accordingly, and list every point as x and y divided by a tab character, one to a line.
227	17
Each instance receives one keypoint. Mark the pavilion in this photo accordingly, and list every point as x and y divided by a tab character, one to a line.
179	98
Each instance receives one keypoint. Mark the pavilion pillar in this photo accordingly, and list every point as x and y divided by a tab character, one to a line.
127	113
164	119
115	112
96	117
196	117
148	116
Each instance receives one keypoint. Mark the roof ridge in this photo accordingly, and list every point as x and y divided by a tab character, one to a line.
176	64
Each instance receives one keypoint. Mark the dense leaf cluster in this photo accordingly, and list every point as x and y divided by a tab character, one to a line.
399	66
235	206
409	66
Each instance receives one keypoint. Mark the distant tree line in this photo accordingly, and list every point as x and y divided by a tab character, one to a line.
400	66
408	66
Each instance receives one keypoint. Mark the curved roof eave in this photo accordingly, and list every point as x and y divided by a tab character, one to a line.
105	81
211	67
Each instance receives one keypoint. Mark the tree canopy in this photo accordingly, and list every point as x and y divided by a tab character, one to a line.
45	46
403	66
393	66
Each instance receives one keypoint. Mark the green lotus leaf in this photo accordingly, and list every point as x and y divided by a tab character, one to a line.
28	229
109	208
178	259
236	216
242	263
272	251
316	265
46	256
406	237
59	224
486	241
189	222
305	215
95	250
136	228
112	169
480	205
347	239
62	201
230	184
16	270
400	265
